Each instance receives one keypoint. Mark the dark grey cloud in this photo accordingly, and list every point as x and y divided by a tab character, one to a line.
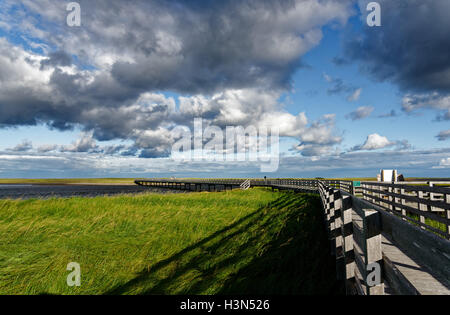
113	149
411	48
58	58
192	46
154	153
130	152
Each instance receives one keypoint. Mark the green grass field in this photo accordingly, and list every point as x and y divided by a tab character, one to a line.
239	242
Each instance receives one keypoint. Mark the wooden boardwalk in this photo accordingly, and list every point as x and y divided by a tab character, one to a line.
417	279
371	231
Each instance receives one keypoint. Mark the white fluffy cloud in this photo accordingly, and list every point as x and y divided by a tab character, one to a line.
375	142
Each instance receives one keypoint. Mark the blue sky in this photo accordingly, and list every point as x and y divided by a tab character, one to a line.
101	99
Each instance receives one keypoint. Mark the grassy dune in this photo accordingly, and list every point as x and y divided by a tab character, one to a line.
251	241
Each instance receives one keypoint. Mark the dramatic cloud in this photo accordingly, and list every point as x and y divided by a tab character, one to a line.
360	113
410	48
147	120
443	135
182	46
233	59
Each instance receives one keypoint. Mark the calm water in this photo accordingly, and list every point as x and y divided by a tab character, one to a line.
49	191
3	186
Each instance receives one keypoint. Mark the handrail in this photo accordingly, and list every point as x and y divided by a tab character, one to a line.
355	236
427	207
245	184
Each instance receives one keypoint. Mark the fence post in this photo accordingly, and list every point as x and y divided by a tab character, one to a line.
421	207
447	200
371	263
335	223
403	202
373	253
347	244
338	236
390	198
330	219
431	195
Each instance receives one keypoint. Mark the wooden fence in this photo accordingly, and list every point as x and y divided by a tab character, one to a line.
355	236
370	238
427	207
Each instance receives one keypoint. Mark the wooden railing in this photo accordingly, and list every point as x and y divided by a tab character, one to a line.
246	184
355	236
358	227
427	207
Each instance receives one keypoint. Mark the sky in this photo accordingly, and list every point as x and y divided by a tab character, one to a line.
103	99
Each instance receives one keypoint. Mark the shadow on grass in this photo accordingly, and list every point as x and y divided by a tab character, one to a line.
281	248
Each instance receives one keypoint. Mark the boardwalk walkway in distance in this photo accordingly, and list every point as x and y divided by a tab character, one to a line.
392	227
